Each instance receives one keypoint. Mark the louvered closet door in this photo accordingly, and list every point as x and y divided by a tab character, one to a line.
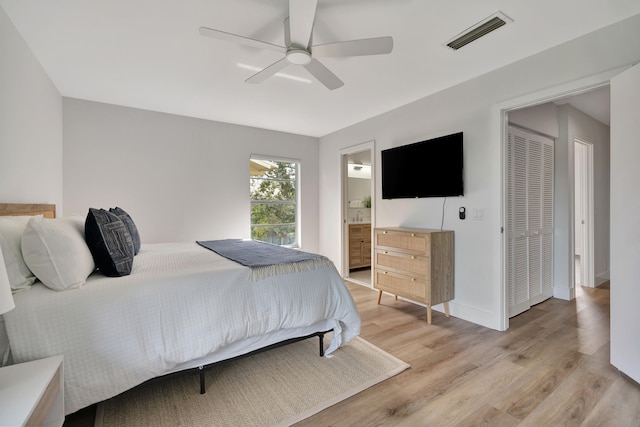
529	226
546	224
517	242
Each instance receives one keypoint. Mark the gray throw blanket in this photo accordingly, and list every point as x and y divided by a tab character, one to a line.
265	259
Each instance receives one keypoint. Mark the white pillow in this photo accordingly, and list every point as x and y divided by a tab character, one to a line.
11	229
56	252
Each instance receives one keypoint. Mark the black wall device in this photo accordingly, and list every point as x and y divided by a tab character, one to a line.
462	213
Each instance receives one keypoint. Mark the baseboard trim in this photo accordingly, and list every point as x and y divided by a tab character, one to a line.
602	277
484	318
563	293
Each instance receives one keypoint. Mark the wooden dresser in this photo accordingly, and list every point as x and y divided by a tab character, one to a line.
417	264
359	245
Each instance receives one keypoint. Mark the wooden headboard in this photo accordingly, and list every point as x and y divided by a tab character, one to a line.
14	209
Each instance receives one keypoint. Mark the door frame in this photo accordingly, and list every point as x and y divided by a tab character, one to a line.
344	178
499	129
587	270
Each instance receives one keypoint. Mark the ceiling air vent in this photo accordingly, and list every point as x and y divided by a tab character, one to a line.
480	29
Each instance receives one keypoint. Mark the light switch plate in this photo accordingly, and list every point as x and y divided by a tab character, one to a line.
477	214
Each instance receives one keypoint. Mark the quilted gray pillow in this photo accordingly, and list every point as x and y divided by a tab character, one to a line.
131	226
109	242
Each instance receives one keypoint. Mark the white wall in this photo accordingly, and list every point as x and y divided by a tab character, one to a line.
470	108
180	178
541	118
625	227
358	189
30	125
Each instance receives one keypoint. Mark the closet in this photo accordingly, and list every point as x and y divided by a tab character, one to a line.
529	224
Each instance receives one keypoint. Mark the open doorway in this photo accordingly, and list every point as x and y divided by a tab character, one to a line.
357	212
576	113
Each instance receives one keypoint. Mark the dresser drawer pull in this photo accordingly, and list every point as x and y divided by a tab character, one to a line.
413	257
384	232
413	280
413	235
384	272
385	252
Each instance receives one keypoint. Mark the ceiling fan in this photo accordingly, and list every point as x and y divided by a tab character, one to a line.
299	50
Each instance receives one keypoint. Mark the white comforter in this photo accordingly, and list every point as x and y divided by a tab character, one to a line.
182	306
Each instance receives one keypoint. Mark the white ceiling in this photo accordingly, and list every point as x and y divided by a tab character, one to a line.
148	53
596	103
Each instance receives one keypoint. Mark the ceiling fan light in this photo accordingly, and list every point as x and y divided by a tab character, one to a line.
298	57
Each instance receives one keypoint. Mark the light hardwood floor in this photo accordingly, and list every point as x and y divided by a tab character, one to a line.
363	275
550	368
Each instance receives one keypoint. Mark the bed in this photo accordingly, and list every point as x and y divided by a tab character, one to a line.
182	307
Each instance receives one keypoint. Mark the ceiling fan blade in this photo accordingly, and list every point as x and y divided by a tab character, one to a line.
324	75
264	74
223	35
287	32
373	46
302	13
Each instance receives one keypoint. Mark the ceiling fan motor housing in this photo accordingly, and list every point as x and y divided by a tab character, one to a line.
298	56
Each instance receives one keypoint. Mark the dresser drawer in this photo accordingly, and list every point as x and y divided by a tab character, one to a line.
416	243
403	263
400	284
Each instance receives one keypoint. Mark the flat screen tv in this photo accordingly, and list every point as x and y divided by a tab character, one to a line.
430	168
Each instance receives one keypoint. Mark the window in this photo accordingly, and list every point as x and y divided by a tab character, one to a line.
273	189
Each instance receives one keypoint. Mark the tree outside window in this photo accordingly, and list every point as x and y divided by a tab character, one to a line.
273	193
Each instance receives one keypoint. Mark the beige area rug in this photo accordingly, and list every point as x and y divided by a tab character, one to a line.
278	387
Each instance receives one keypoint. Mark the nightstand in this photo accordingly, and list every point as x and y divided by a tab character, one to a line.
32	393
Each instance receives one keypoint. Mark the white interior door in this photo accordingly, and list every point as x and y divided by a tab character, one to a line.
529	225
578	153
516	229
625	226
583	213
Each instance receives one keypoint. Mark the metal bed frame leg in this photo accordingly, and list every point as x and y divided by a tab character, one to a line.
321	337
202	388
